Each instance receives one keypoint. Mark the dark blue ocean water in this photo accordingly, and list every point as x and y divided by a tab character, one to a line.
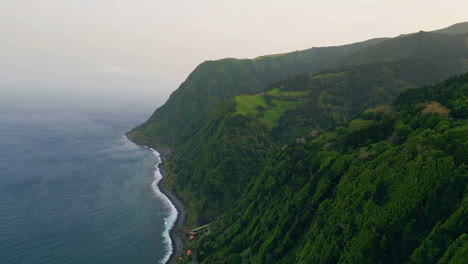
74	190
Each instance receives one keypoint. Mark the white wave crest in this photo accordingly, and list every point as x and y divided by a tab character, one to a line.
169	221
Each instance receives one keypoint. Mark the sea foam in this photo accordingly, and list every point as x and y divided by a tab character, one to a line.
169	221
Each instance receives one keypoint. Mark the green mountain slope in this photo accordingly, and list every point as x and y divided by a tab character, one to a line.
237	138
390	187
456	29
218	160
213	81
440	51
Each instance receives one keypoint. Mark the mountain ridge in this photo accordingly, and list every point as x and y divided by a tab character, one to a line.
212	81
174	121
455	29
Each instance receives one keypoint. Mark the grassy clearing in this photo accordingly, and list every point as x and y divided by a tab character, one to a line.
331	135
273	114
278	92
275	91
327	137
247	104
359	123
329	75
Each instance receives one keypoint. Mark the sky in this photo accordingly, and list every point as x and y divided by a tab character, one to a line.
132	51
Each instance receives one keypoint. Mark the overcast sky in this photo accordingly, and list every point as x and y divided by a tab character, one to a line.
143	49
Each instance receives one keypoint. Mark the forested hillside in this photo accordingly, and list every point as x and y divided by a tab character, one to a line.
230	146
388	187
212	81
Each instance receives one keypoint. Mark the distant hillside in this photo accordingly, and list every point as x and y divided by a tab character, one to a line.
446	53
388	187
213	81
456	29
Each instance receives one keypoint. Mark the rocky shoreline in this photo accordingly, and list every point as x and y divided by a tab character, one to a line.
176	233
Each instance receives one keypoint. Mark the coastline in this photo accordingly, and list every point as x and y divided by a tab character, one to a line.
175	234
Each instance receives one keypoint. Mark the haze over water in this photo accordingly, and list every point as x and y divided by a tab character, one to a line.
74	190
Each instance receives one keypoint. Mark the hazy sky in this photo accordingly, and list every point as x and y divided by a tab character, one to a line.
143	49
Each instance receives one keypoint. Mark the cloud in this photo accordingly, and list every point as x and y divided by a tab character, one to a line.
110	69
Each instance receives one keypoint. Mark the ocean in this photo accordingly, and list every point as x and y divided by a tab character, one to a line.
73	189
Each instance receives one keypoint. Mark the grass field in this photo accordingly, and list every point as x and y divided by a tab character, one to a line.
359	123
278	92
329	75
273	114
247	104
327	137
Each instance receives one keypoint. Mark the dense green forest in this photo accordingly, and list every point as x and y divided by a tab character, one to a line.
234	141
389	187
300	154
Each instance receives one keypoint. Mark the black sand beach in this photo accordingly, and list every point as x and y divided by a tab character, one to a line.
176	232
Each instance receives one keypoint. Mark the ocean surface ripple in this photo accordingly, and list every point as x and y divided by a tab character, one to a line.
73	189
